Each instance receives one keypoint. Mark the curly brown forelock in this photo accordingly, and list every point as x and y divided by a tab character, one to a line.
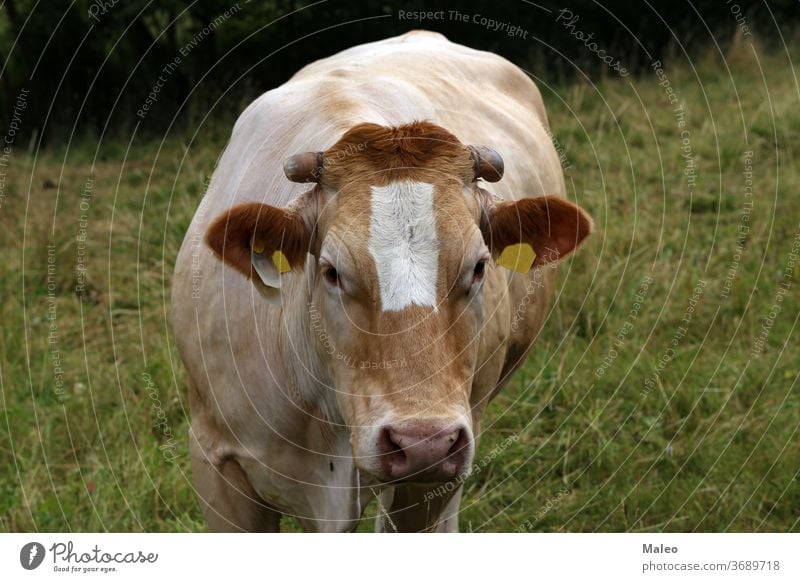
370	148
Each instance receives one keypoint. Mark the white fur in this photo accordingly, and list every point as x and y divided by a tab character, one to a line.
404	244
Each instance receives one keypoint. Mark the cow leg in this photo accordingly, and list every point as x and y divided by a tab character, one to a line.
419	508
448	521
228	500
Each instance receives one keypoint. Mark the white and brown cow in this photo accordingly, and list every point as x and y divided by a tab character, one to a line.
344	329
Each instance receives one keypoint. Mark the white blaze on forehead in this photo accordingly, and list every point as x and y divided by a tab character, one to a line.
404	245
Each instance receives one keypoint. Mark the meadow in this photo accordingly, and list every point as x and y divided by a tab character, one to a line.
661	395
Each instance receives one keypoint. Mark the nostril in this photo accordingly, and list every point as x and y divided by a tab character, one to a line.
460	442
393	457
394	441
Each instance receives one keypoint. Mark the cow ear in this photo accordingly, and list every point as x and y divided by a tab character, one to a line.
263	242
532	232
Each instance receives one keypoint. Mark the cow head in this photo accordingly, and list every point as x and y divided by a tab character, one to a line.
400	239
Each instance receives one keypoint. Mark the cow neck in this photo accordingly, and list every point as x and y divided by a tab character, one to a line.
308	370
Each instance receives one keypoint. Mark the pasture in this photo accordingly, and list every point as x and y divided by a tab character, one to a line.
661	395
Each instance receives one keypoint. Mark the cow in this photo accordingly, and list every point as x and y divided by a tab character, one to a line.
370	264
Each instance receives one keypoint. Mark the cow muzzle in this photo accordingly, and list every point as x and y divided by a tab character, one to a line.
424	451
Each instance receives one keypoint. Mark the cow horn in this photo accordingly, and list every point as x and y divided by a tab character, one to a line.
487	163
305	167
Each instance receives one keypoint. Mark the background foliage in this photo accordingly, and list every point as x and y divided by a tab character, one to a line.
90	64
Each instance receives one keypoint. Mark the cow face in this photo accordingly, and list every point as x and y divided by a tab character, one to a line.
403	242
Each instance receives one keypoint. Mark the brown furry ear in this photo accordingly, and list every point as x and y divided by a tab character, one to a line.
235	234
552	226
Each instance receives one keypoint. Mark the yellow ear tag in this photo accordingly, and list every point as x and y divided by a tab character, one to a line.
257	246
281	262
518	257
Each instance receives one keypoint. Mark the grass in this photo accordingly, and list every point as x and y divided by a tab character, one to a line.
685	426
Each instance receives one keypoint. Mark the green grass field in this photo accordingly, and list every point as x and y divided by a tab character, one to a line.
661	396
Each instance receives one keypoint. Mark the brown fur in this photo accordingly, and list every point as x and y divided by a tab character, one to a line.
230	234
553	226
395	153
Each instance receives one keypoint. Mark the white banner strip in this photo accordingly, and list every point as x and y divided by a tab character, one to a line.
401	557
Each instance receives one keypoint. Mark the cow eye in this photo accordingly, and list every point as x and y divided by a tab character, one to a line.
479	271
332	276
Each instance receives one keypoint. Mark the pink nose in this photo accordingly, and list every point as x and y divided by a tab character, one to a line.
424	451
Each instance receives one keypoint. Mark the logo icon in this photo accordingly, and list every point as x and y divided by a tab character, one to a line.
31	555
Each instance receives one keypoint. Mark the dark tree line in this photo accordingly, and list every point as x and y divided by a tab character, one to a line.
91	66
